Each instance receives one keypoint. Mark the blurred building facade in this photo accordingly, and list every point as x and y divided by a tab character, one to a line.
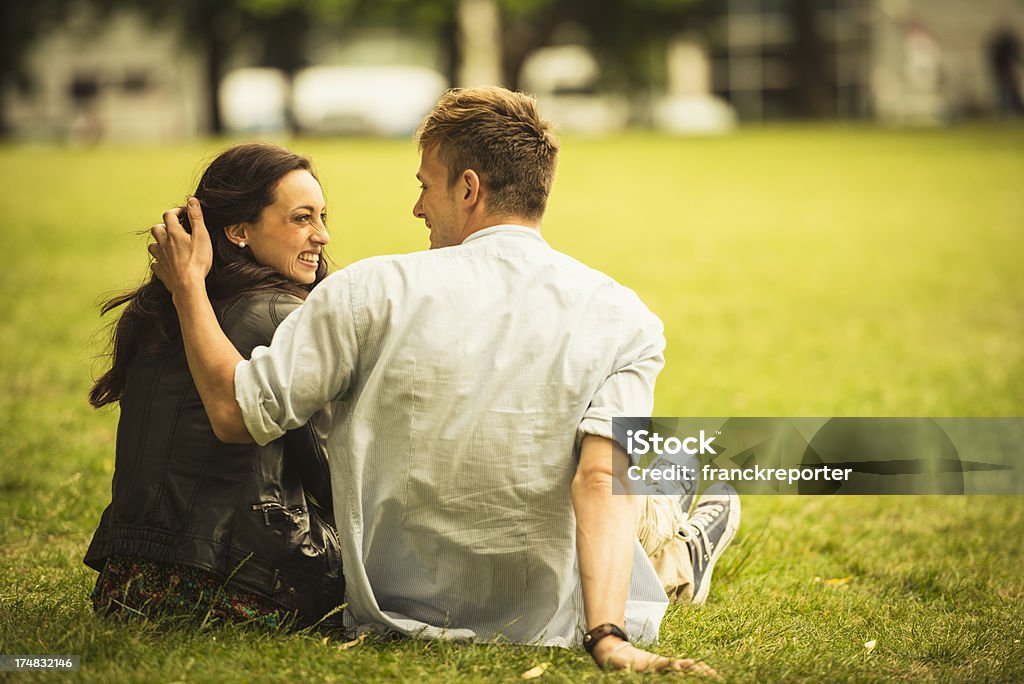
757	68
929	59
123	79
907	61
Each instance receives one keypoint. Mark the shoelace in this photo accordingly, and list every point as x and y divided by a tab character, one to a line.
706	514
703	517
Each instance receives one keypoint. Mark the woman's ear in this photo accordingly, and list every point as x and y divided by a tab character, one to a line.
236	234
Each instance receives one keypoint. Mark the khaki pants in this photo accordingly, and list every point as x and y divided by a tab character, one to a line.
658	531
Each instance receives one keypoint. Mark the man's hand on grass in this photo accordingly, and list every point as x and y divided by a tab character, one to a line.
613	653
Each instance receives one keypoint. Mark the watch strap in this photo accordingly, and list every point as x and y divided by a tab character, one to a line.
591	638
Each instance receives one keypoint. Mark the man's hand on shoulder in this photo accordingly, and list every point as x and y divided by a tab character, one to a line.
612	653
181	261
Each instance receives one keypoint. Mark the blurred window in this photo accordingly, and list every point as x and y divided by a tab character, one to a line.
84	87
24	84
136	82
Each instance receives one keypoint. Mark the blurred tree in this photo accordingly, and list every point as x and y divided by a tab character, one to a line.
623	33
436	19
280	26
812	95
629	37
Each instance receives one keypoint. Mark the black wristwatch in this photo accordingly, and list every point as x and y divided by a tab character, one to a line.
591	638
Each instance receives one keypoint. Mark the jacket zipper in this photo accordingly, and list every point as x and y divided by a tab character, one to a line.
266	506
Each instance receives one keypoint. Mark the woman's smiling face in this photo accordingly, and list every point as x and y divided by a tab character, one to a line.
292	232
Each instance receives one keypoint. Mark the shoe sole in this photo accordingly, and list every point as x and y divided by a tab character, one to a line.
732	526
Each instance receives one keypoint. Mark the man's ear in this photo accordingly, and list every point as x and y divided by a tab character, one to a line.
237	233
470	187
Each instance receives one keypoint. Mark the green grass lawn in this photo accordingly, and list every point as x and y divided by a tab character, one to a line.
799	272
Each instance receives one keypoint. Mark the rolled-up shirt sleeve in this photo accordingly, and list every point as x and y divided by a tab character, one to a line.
309	362
628	391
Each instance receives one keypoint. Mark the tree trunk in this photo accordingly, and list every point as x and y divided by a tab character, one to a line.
812	97
520	39
215	53
449	39
4	128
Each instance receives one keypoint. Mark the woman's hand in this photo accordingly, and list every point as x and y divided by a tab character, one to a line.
181	260
612	653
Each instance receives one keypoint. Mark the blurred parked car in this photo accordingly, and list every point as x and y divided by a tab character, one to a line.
385	100
254	101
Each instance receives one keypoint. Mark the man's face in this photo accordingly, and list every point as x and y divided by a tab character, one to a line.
436	204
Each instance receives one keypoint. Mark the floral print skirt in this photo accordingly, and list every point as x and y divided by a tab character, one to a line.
130	585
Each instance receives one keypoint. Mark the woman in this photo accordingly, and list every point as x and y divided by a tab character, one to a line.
195	525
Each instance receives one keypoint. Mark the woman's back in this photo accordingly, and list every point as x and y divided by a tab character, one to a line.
182	497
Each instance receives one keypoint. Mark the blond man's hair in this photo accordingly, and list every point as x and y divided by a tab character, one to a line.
500	135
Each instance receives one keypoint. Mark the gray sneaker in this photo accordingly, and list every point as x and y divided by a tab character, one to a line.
708	531
684	490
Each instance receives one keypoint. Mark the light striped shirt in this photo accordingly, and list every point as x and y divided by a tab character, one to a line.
461	382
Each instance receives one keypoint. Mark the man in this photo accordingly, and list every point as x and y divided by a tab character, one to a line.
473	387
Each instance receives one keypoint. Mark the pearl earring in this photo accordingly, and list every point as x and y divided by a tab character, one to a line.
241	245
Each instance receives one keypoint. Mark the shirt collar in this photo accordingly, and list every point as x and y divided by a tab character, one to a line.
507	228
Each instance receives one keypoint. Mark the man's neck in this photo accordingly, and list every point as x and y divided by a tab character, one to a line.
489	221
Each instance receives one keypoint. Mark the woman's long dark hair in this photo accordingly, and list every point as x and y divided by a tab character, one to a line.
235	188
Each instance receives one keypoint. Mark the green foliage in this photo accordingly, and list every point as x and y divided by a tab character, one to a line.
822	271
313	7
628	36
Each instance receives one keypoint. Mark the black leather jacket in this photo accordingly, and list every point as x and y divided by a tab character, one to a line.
180	495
